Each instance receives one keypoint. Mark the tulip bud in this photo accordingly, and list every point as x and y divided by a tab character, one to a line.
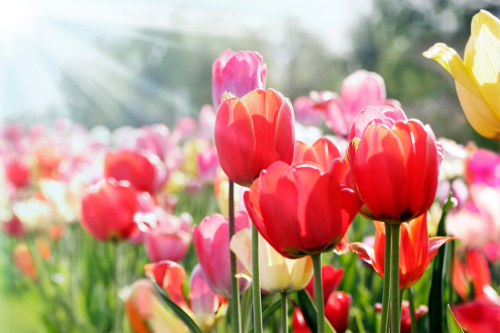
108	209
337	310
277	273
207	306
238	73
211	244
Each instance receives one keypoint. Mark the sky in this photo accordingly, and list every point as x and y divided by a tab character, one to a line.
36	41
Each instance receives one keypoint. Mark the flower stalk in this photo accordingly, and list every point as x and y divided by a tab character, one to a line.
284	312
318	292
412	311
118	286
387	266
235	297
394	279
256	298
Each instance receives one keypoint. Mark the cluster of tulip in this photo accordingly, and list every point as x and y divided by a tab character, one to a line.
286	195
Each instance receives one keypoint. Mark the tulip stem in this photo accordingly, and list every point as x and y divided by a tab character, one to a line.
394	276
257	302
284	312
318	292
412	312
387	267
235	295
118	286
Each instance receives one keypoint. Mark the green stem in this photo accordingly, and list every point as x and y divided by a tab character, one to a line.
284	312
118	286
318	292
451	253
394	276
257	302
387	266
235	297
412	311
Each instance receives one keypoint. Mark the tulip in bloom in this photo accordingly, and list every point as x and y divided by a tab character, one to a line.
237	73
211	244
416	250
309	109
144	173
302	210
321	153
277	273
207	306
253	132
394	169
108	209
477	76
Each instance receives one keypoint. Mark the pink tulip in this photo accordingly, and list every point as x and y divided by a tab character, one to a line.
308	109
237	73
16	171
170	239
483	166
204	302
208	162
155	138
359	90
211	244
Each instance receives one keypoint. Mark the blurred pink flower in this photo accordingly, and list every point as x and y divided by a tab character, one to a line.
14	227
308	109
483	166
155	138
206	121
208	162
16	171
211	243
237	73
359	90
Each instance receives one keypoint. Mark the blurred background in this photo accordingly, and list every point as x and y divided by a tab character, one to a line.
132	62
135	62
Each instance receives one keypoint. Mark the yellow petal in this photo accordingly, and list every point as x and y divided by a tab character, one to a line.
482	58
450	60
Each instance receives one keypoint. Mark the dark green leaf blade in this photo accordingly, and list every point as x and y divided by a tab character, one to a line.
309	312
453	325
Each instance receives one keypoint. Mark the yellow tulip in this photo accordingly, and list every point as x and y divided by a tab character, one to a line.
477	78
277	273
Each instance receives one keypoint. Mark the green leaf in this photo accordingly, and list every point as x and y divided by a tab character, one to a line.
309	312
453	325
436	305
186	319
268	312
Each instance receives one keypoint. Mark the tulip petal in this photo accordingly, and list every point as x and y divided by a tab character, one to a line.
241	245
284	135
434	245
364	252
235	140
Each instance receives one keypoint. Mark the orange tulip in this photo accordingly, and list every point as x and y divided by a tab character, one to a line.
416	250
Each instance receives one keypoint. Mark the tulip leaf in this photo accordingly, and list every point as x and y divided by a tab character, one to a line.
268	312
310	313
436	305
453	325
186	319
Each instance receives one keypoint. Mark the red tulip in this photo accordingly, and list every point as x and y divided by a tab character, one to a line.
331	278
416	250
237	73
321	153
405	315
395	170
337	310
254	132
211	244
170	276
479	316
476	270
17	172
302	210
144	173
108	209
14	227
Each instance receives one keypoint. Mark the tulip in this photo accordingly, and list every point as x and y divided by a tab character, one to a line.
211	244
17	172
23	261
108	209
481	315
331	278
14	227
147	313
155	139
406	315
476	77
416	249
254	132
302	210
208	162
238	73
308	109
336	312
277	273
144	173
34	213
395	169
321	153
170	239
386	114
483	166
476	270
207	306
